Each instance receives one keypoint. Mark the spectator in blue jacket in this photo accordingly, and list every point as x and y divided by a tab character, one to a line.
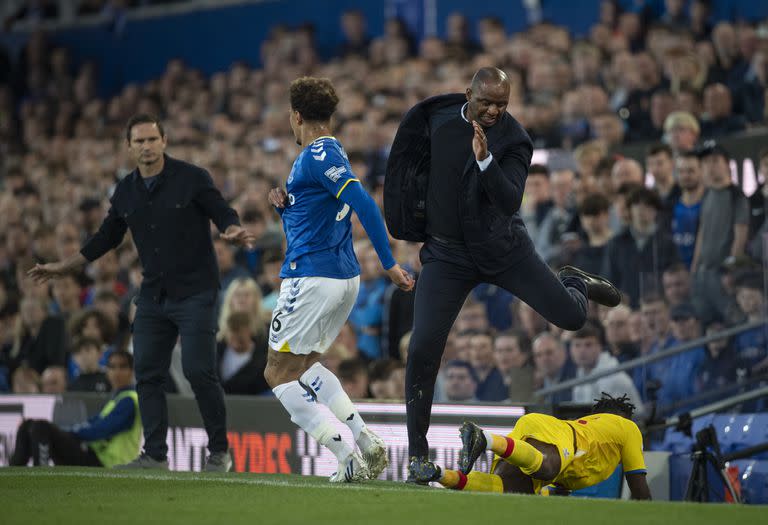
490	381
752	345
367	313
720	366
678	373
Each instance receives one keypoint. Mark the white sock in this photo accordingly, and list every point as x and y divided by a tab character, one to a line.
488	439
329	392
304	412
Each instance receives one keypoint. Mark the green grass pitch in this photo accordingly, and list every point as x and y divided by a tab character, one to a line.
83	496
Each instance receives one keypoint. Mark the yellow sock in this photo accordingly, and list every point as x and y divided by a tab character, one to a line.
517	452
482	482
450	478
476	481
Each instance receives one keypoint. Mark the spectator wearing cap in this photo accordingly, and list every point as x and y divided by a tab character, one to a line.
460	382
594	216
720	367
686	212
678	373
719	120
681	131
752	345
638	255
722	229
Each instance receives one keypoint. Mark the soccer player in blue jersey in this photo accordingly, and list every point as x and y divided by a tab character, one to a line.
321	277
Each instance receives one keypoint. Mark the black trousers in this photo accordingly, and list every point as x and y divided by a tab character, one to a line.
158	323
42	441
447	277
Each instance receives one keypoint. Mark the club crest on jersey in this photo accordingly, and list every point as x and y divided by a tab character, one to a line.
343	213
334	172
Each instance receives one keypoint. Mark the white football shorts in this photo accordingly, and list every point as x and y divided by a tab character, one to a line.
310	312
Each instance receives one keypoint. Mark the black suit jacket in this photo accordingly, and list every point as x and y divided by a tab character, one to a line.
492	228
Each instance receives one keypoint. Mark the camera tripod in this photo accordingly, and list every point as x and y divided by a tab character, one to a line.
706	452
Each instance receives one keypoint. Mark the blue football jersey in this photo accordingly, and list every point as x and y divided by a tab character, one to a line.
316	224
685	226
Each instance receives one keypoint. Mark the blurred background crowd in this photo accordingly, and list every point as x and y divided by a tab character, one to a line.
674	232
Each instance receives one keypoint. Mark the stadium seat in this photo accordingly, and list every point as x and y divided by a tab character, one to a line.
739	431
753	475
678	443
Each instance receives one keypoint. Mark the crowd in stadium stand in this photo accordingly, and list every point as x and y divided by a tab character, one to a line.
676	83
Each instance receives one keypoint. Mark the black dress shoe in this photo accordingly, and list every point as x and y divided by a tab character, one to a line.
599	289
421	471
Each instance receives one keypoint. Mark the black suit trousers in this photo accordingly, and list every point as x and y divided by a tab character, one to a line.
447	277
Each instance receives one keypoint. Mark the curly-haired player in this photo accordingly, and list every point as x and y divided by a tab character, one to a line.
321	277
542	450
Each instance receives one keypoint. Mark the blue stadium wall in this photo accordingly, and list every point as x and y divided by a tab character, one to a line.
211	39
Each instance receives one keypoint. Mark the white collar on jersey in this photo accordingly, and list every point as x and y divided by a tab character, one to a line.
463	111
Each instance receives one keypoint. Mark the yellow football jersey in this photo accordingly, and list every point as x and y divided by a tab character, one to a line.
590	447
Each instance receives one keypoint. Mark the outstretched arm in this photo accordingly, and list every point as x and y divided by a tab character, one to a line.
370	217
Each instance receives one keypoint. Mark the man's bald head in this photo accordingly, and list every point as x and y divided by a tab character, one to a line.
488	96
488	76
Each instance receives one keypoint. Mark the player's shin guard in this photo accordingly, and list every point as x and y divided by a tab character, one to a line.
304	412
516	452
475	481
329	392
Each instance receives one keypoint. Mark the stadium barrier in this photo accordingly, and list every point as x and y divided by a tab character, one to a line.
261	434
646	359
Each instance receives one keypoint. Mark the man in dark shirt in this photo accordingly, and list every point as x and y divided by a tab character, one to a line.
168	205
474	157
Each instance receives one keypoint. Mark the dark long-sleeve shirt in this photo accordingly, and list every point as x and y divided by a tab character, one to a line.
170	227
119	420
